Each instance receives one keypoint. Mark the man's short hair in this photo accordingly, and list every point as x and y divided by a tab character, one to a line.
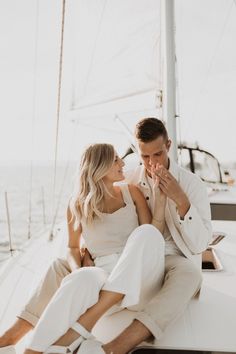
149	129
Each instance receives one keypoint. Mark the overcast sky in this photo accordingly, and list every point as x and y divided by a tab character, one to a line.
29	52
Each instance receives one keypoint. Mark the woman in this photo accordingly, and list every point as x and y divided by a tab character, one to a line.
108	216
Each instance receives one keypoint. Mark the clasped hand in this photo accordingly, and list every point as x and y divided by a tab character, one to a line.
167	184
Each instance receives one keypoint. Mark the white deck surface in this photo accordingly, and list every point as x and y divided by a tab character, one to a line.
223	195
209	323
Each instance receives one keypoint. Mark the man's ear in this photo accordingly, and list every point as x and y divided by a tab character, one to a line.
168	144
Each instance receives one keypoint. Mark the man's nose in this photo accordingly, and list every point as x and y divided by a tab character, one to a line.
152	161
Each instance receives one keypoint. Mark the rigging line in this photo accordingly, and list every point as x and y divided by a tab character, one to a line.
58	102
34	114
8	223
107	115
63	181
210	65
94	48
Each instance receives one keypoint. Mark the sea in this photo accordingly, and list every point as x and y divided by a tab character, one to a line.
28	205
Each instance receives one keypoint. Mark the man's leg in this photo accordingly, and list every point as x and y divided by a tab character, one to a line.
182	282
133	335
28	318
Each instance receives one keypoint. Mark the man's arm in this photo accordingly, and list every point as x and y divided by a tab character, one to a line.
193	210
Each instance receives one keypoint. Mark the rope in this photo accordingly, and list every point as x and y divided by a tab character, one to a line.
33	116
94	47
58	110
8	224
43	207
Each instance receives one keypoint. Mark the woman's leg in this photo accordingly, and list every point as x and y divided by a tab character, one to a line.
138	275
136	278
29	316
78	292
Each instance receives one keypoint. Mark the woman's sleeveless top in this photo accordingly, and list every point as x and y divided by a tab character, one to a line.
109	234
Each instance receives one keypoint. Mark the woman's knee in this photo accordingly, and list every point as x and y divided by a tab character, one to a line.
148	235
89	277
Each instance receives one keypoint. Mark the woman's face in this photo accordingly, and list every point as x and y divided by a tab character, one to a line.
115	173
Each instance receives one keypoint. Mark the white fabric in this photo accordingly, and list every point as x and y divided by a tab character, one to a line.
116	57
109	234
138	275
192	234
91	346
10	349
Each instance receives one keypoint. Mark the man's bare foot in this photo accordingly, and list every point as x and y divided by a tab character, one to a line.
18	330
133	335
69	337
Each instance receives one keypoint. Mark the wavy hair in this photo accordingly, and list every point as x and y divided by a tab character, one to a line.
88	197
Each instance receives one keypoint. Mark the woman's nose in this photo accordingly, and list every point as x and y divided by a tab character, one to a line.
122	162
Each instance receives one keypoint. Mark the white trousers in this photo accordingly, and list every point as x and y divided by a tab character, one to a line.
137	273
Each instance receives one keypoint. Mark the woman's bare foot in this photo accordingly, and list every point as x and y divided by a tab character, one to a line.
18	330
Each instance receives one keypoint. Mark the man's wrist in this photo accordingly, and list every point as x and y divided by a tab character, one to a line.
183	206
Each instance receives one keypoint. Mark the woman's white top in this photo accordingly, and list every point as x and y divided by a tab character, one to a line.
108	234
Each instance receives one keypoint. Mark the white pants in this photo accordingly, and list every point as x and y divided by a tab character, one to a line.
137	273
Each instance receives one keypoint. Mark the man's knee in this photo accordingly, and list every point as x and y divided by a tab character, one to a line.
60	267
189	273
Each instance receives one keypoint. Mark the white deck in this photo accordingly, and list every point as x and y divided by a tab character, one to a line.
209	323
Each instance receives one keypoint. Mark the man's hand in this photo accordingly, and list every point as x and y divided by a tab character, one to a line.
87	260
171	188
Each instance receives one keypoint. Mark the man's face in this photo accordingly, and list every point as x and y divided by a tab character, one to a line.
155	151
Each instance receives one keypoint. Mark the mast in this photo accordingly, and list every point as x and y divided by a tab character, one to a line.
169	79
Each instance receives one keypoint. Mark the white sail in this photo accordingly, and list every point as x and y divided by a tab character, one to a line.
117	56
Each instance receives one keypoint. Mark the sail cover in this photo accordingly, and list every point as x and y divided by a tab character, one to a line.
115	46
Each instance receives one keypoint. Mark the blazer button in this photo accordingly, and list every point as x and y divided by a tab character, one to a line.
147	198
190	217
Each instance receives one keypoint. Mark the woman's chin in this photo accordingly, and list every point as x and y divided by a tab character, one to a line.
121	178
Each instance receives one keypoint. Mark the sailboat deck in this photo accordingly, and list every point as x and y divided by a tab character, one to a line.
208	323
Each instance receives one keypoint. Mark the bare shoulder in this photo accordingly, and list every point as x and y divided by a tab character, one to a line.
135	192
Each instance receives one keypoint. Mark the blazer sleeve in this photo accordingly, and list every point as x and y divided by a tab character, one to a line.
196	228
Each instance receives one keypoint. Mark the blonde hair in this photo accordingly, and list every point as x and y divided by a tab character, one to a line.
88	197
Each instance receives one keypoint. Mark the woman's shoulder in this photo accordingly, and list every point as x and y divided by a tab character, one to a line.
133	191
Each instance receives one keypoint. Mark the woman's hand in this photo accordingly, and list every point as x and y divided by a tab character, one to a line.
157	172
87	260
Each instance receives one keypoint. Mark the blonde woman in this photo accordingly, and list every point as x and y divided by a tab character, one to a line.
108	216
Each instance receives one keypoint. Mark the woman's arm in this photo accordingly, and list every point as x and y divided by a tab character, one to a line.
143	211
158	219
73	251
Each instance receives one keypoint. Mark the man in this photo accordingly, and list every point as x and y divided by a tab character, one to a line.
187	234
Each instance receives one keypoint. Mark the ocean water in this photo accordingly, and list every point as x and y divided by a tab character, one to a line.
15	180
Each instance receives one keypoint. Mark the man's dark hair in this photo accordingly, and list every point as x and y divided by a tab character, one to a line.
149	129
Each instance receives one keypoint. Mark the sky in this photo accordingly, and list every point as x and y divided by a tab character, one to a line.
29	56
